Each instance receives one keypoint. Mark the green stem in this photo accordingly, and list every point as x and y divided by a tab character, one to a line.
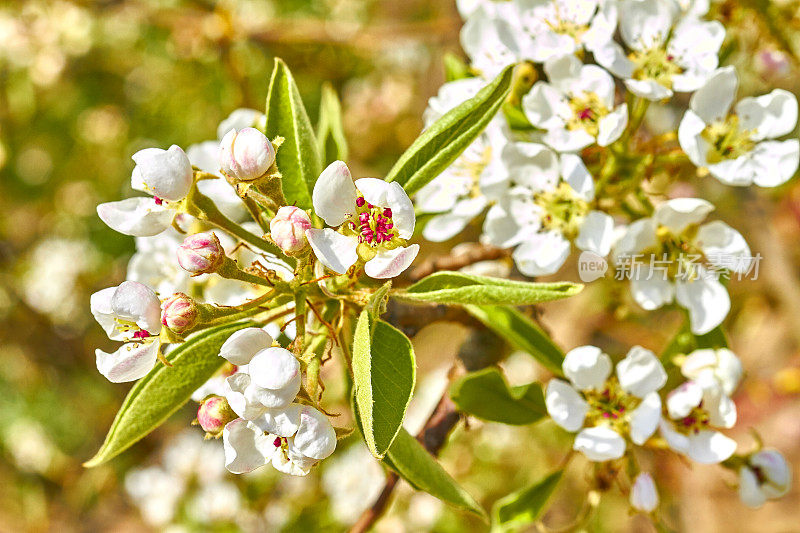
230	270
256	213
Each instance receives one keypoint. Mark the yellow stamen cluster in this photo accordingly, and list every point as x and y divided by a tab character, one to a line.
587	110
727	140
655	64
564	210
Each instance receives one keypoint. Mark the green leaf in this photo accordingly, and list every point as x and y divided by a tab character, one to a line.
524	506
442	142
457	288
713	339
331	140
521	333
377	302
486	394
165	389
384	372
298	157
455	68
413	463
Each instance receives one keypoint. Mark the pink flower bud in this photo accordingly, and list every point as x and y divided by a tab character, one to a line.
179	312
201	253
245	155
213	414
288	228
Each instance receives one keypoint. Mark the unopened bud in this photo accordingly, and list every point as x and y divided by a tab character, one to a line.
288	228
644	496
213	414
246	155
766	476
201	253
179	312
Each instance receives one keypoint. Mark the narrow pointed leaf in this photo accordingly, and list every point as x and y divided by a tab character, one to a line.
330	128
525	506
458	288
486	394
384	372
521	333
298	158
413	463
444	140
165	389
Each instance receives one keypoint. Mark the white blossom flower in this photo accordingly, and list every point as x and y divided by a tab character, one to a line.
559	27
671	256
667	52
605	409
739	148
576	107
493	38
548	206
644	496
130	312
292	439
476	177
246	154
374	217
765	476
721	363
270	380
695	409
167	175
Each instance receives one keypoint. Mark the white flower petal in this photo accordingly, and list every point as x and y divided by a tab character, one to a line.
273	368
706	300
690	139
334	250
646	24
544	106
677	441
776	162
242	345
334	195
238	119
724	364
315	437
282	422
771	115
130	362
641	373
138	303
531	164
100	304
712	101
164	173
710	447
577	176
644	496
564	140
599	443
391	195
649	89
651	293
275	398
246	447
678	213
564	405
390	263
749	490
541	254
597	233
139	216
638	236
612	57
683	399
724	246
644	419
587	367
611	126
239	391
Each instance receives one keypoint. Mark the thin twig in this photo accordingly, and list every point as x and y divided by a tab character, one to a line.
472	255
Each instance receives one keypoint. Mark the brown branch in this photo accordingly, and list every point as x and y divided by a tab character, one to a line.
472	255
432	436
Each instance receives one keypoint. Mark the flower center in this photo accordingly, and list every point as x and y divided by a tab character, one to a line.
130	327
587	110
655	64
374	224
471	167
610	406
564	210
158	200
564	26
696	421
674	256
727	140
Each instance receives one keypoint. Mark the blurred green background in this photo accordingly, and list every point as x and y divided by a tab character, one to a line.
83	85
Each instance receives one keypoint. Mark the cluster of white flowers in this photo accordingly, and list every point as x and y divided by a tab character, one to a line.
540	188
533	186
